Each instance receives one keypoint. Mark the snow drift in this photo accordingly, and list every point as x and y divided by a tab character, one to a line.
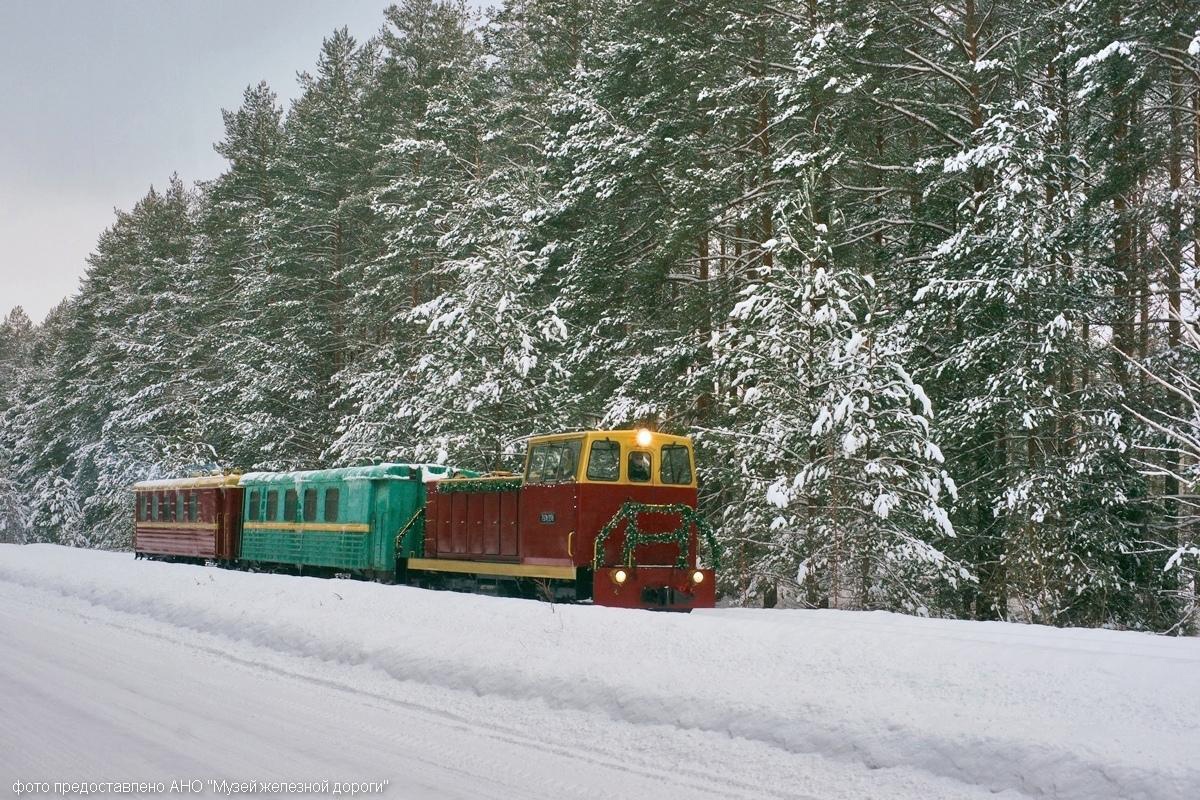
1039	711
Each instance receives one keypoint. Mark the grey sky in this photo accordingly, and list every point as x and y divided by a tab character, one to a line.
99	99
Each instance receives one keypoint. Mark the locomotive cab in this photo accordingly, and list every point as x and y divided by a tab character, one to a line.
621	507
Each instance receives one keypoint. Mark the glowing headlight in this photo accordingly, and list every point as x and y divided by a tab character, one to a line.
643	438
620	576
697	577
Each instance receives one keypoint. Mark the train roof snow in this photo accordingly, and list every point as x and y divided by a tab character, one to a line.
423	472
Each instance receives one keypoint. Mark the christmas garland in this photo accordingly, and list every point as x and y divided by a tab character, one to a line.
494	483
635	536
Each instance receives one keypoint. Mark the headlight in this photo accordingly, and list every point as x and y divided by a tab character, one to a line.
697	577
643	438
620	576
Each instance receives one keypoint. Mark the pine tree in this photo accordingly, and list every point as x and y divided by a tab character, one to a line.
16	350
243	285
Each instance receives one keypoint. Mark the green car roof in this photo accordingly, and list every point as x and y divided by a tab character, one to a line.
423	472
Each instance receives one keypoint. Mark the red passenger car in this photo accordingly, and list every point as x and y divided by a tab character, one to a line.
606	516
191	519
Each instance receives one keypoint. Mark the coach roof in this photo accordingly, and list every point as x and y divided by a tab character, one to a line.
424	472
201	482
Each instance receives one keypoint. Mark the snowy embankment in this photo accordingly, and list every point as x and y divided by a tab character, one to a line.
1026	711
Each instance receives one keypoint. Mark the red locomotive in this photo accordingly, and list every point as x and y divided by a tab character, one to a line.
605	516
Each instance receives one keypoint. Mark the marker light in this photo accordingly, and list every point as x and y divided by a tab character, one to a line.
697	577
643	438
620	576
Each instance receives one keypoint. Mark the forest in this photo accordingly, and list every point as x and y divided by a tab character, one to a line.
920	279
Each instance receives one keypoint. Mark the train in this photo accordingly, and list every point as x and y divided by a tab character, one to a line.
602	517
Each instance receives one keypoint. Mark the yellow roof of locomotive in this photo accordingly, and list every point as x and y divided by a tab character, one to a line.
625	437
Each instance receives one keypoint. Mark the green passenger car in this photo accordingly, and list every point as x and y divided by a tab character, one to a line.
336	520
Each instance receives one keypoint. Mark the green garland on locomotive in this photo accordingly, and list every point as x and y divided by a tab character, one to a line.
483	483
635	536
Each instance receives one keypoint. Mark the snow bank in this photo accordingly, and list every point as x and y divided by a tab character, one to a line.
1045	712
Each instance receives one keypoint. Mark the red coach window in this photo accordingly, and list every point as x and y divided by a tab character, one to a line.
193	506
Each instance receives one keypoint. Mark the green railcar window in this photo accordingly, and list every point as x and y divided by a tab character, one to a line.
272	505
604	461
252	505
676	466
289	506
310	505
193	506
331	505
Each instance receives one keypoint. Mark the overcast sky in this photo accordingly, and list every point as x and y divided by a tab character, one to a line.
100	99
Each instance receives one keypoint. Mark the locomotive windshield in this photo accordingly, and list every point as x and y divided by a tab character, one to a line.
676	465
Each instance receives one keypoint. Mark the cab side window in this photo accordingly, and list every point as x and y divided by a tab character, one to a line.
604	461
554	462
639	466
676	466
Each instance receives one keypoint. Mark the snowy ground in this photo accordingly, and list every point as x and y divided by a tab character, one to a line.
114	669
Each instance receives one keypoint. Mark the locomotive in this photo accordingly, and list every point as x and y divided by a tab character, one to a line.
606	517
